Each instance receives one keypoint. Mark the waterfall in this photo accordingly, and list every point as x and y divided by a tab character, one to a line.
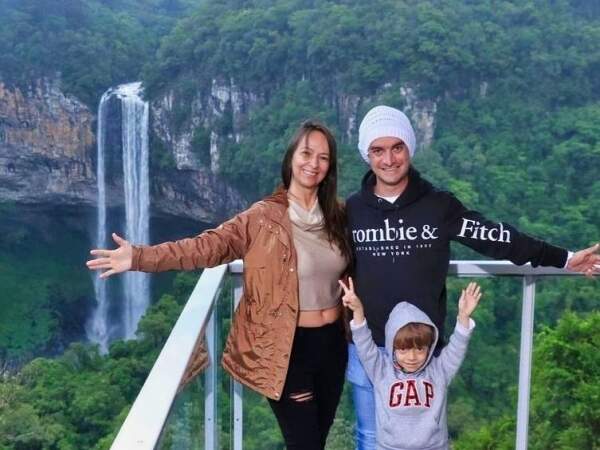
97	325
136	285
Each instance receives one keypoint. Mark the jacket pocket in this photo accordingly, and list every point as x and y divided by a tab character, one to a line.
257	287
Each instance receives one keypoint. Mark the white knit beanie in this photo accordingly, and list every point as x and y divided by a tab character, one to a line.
383	121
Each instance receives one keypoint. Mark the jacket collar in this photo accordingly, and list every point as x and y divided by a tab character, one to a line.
279	197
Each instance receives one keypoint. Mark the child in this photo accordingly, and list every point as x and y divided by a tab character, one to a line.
410	384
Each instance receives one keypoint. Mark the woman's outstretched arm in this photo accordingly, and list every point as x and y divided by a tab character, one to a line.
225	243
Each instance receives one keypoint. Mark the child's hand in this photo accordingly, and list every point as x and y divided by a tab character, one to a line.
467	303
351	300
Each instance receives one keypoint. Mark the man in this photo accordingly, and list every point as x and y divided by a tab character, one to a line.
401	228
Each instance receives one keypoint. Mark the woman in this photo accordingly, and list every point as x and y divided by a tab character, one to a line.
286	341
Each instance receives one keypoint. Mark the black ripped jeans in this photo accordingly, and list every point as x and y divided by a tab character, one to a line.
313	386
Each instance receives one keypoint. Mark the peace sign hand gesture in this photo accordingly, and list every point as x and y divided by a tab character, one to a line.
351	301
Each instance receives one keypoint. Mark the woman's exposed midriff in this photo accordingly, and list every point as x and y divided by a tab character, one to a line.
318	318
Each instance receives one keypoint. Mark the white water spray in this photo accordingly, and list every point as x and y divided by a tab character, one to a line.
136	286
97	325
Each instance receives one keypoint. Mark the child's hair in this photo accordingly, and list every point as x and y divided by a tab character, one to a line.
413	335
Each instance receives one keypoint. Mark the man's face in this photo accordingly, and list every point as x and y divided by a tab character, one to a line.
390	161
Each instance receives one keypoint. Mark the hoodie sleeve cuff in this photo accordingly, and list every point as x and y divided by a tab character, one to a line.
465	331
355	326
569	256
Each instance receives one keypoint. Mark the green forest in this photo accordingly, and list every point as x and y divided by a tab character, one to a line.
517	137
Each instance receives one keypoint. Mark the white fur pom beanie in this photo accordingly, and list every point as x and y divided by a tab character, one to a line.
383	121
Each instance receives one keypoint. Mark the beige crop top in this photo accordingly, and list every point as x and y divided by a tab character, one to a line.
320	264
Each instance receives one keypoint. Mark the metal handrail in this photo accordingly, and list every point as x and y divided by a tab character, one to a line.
473	268
143	426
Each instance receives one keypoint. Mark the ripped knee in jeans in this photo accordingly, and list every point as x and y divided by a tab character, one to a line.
304	396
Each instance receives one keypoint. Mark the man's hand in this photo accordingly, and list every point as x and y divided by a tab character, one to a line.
351	300
469	299
586	261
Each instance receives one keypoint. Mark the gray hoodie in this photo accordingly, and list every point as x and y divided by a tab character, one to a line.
411	407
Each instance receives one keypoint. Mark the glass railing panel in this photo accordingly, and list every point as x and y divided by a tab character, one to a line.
485	388
548	297
223	402
201	414
185	427
161	400
564	377
260	426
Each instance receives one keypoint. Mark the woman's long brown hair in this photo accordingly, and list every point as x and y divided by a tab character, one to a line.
333	211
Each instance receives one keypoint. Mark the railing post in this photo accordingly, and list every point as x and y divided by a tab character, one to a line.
527	316
237	389
211	432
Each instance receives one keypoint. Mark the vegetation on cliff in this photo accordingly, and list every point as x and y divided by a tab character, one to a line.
89	44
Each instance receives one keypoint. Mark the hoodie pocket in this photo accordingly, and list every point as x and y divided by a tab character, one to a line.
411	430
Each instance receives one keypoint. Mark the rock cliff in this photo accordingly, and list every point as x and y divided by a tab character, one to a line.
48	147
48	157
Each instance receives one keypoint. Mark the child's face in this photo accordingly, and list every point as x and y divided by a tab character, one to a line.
411	359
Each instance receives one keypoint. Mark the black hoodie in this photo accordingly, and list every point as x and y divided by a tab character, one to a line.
402	249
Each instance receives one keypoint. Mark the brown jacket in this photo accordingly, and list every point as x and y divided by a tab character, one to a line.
259	344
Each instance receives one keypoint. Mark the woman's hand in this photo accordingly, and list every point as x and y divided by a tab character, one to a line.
351	300
467	303
112	261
